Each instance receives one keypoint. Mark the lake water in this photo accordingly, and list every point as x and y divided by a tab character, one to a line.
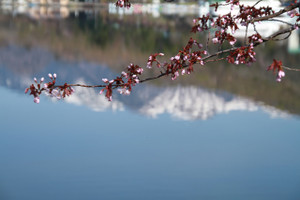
225	132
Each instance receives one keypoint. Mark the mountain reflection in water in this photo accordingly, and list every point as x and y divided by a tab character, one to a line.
181	102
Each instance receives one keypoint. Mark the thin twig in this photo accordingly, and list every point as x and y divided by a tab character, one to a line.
276	14
291	69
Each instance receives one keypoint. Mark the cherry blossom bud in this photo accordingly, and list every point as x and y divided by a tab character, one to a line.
140	70
149	65
204	52
54	75
183	72
105	80
176	74
101	91
281	74
42	79
26	90
177	57
36	99
124	91
35	79
161	54
45	85
194	21
125	74
232	42
50	76
215	40
111	81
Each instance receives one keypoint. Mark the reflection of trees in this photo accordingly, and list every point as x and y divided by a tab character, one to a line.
141	33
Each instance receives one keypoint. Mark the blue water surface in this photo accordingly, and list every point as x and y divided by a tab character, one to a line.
63	151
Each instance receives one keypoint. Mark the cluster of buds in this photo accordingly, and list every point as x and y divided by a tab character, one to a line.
276	66
123	3
225	22
247	13
183	61
36	89
242	55
49	88
124	82
201	23
221	36
255	38
152	58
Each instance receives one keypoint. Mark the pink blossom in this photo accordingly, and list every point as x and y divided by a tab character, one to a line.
36	99
183	72
281	74
101	91
26	90
124	91
292	13
125	74
176	74
149	65
140	70
105	80
177	57
215	40
232	42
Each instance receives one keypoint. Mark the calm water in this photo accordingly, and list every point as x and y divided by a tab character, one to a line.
223	133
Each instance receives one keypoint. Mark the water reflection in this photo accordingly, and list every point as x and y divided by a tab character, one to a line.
181	102
84	45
